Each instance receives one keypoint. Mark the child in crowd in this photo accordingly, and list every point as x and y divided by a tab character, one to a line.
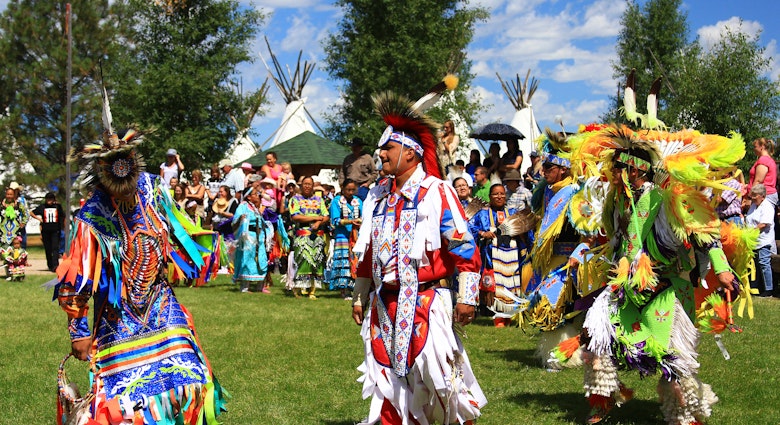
15	260
286	175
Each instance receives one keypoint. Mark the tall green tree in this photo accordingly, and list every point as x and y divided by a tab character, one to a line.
726	88
651	37
33	93
401	45
176	72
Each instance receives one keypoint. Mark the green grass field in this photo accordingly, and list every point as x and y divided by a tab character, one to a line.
292	361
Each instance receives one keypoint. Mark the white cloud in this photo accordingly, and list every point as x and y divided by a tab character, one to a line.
711	34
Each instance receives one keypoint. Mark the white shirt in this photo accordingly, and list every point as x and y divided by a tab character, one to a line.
234	180
763	214
169	172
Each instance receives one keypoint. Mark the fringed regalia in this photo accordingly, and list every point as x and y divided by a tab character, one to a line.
416	369
148	364
253	234
643	319
344	238
15	262
11	218
500	257
308	244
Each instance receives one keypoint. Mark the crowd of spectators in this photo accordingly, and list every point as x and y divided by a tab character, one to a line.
319	221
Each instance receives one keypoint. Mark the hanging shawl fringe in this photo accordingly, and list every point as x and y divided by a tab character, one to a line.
598	325
440	384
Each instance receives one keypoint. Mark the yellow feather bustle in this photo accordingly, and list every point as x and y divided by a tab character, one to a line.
644	277
451	81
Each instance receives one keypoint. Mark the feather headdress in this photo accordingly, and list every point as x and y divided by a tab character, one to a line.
408	125
114	163
554	148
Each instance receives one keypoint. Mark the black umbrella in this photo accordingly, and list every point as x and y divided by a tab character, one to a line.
497	131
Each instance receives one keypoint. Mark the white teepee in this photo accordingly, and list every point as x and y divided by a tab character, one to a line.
243	147
520	94
296	119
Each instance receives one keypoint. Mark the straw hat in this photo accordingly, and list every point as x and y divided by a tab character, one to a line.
220	205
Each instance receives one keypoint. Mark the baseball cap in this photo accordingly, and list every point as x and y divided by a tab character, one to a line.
224	163
171	152
247	166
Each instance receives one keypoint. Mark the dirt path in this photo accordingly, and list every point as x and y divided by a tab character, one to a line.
37	260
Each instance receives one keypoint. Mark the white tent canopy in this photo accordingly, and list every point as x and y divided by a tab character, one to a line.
294	122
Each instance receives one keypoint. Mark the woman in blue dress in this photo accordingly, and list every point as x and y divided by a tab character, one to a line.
251	232
501	283
345	213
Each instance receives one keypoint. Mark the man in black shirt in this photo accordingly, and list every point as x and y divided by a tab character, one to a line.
52	219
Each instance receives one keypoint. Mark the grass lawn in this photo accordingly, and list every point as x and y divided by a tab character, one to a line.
292	361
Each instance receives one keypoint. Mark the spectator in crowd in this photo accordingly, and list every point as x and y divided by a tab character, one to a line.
761	215
267	192
358	167
224	208
215	181
233	178
52	219
475	161
213	184
764	170
501	283
289	192
15	259
13	218
23	202
493	161
534	173
345	213
172	167
519	196
310	215
481	188
512	159
448	143
180	195
252	235
459	170
463	191
286	175
248	170
274	170
729	207
196	191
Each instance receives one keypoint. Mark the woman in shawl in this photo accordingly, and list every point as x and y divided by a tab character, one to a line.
345	213
251	232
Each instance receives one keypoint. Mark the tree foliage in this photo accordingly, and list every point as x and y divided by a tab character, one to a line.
176	75
650	41
725	89
33	50
717	90
405	46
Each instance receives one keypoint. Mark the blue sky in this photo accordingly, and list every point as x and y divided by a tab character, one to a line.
567	45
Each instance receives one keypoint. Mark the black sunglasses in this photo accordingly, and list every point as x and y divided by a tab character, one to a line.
548	165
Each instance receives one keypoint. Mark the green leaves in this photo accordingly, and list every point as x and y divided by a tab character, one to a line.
402	46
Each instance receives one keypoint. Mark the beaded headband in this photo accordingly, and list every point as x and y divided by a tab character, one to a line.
401	138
